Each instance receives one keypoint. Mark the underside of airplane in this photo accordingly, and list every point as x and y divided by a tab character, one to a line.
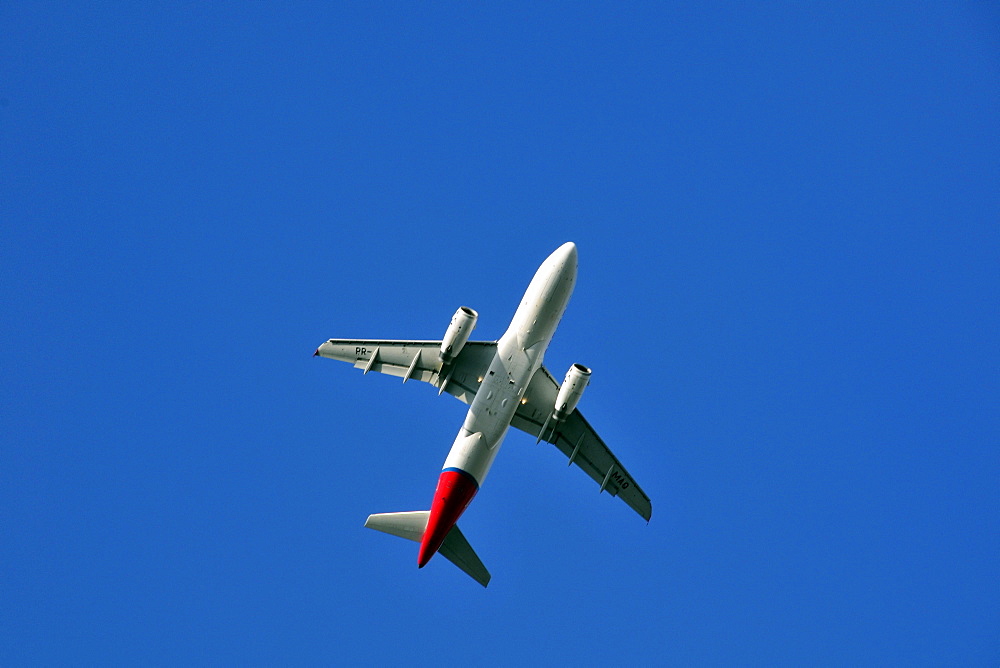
505	384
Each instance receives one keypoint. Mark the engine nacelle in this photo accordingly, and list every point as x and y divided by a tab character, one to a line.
462	324
570	391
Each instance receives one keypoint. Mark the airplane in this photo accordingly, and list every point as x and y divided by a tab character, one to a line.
505	385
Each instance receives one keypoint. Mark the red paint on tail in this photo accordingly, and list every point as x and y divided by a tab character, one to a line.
455	490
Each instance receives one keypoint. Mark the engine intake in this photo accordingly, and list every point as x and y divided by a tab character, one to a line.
462	324
570	391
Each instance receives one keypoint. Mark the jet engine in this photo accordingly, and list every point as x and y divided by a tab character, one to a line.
570	391
462	324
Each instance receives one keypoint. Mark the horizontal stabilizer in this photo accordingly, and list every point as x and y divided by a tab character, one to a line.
409	525
455	548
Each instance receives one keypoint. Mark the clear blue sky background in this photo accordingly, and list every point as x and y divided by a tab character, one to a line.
788	220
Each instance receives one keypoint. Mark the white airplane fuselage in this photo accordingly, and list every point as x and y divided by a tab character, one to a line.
519	354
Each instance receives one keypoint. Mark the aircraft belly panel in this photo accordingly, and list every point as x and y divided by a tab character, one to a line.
499	382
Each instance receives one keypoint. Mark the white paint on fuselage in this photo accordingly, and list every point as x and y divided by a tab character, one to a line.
519	355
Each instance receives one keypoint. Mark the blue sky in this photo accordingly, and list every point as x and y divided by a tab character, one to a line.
787	219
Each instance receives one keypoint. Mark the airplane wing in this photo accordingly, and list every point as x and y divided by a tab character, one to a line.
576	439
417	360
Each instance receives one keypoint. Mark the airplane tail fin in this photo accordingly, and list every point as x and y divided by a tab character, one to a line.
455	548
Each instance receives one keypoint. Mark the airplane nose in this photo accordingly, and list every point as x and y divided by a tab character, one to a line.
566	254
570	250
